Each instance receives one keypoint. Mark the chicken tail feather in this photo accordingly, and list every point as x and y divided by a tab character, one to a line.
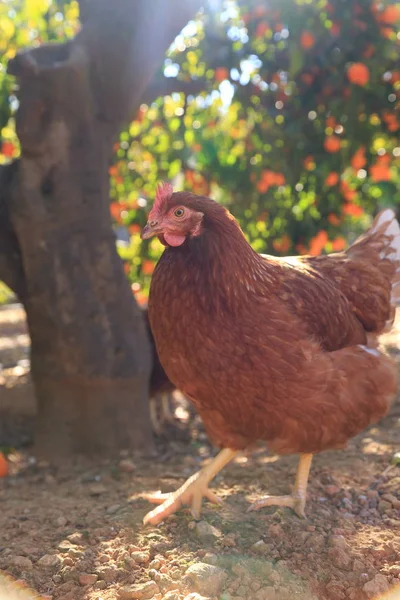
382	243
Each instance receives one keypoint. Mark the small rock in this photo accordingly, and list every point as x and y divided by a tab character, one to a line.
108	574
389	498
64	546
377	585
372	494
164	582
141	558
384	506
276	531
204	529
210	558
208	579
155	564
336	591
331	490
75	538
21	562
126	466
229	541
260	547
267	593
338	541
97	489
111	510
61	522
74	553
196	596
87	579
340	558
100	585
358	565
141	591
49	560
172	595
394	570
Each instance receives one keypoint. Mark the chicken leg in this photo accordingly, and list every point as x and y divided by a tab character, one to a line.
191	492
297	500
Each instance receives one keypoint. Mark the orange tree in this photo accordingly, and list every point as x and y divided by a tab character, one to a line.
287	113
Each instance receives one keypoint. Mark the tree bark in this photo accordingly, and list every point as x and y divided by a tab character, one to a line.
90	357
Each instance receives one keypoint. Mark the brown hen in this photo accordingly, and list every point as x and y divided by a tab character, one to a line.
275	349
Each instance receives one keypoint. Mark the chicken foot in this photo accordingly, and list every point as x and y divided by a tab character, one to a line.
191	492
297	500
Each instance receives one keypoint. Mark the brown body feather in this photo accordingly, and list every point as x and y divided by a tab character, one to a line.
266	348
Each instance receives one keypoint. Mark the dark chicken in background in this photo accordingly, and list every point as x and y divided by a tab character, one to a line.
276	349
160	388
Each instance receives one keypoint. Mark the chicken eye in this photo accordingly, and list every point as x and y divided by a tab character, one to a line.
179	212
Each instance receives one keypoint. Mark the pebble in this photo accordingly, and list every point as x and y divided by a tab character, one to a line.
87	579
165	583
111	510
126	466
75	538
171	595
141	591
155	564
61	522
140	557
208	579
377	585
384	506
96	489
204	529
260	547
331	490
267	593
196	596
338	541
100	585
340	558
394	570
210	558
21	562
276	531
49	560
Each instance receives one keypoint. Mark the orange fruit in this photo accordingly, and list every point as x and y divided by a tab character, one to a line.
307	40
3	465
358	160
390	14
7	148
261	29
221	74
332	144
339	244
358	73
332	178
148	267
353	210
334	219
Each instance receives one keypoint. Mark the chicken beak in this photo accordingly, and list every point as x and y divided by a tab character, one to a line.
149	230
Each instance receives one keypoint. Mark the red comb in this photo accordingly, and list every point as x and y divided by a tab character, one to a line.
163	194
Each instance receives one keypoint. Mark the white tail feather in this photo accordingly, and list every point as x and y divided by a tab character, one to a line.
387	226
384	237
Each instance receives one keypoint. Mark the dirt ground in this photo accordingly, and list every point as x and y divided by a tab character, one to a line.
76	533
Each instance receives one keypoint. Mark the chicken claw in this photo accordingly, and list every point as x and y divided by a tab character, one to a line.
191	492
297	500
296	503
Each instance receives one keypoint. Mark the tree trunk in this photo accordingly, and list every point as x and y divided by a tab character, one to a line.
90	355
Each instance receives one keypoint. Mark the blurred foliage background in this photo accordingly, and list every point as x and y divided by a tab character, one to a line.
286	111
